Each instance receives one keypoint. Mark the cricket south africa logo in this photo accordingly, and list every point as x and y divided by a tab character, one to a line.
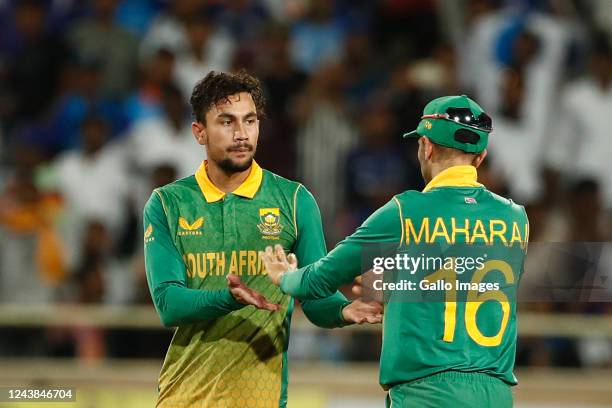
269	226
148	234
185	228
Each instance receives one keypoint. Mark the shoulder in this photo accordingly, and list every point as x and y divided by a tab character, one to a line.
177	188
279	181
413	197
286	186
508	204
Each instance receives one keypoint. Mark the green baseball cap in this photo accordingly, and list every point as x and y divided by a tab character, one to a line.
455	121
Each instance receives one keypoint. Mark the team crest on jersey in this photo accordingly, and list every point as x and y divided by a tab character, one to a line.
269	226
186	228
148	234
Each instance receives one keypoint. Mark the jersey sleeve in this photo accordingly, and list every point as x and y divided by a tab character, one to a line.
343	263
309	248
175	303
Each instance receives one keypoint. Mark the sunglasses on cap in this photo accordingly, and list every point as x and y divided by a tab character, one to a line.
465	117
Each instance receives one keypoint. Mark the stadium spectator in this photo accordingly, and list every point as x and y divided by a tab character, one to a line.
155	73
377	169
114	49
32	261
281	82
581	145
33	57
318	39
208	48
166	138
94	184
167	31
326	135
80	99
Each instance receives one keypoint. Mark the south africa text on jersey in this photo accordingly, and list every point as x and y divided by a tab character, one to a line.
243	262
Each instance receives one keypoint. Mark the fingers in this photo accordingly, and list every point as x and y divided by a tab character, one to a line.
279	253
292	259
247	296
360	312
261	302
233	280
375	319
271	307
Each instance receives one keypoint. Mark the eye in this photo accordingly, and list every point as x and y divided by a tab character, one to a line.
250	121
226	122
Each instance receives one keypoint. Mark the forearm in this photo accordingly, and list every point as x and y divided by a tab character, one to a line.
326	312
344	263
322	278
177	305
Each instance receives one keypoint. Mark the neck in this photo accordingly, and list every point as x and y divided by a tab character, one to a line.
226	182
437	168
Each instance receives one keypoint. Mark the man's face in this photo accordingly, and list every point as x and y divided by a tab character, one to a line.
230	133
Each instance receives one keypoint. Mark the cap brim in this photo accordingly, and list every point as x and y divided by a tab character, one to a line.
410	134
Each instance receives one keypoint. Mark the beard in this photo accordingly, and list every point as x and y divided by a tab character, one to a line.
230	166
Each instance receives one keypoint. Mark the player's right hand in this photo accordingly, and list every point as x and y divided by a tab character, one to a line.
247	296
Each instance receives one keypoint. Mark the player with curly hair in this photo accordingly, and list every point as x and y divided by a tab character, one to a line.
202	238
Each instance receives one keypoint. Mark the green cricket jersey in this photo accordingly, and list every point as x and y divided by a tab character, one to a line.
424	338
224	354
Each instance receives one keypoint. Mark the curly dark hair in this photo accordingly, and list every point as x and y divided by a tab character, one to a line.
218	86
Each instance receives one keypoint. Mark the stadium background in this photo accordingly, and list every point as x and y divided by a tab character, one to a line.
94	115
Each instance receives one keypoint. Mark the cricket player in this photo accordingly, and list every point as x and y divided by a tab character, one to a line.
446	353
202	235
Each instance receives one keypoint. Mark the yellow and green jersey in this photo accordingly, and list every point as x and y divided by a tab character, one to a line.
224	354
422	338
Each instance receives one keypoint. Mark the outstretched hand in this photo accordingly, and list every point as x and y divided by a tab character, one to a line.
368	308
277	263
360	311
247	296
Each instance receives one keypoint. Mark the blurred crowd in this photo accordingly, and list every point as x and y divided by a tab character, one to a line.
94	115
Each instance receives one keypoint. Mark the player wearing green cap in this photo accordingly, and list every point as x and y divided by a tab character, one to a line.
449	353
202	237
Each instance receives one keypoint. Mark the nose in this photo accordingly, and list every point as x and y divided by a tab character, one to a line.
239	132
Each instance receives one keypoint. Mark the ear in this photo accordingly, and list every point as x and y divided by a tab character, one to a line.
479	158
199	132
428	147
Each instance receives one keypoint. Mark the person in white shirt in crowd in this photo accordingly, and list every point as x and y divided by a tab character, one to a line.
161	140
167	30
516	155
208	48
94	184
582	144
164	139
481	67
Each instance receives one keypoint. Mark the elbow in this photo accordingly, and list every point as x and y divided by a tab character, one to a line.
167	321
167	318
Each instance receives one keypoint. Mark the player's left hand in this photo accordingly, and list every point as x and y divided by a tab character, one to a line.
277	263
247	296
360	311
